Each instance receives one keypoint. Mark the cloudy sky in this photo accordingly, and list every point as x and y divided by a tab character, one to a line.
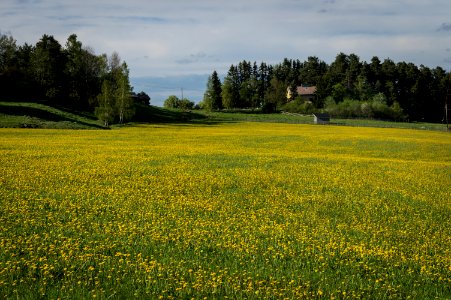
181	38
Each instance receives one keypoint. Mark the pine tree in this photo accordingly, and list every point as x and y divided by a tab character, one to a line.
212	96
231	89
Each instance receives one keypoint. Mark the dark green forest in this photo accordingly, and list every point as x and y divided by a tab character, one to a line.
348	87
70	76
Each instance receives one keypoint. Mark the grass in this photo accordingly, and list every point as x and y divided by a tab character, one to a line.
38	115
391	124
233	209
257	116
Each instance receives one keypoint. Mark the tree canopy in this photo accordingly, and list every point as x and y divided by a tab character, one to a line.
70	76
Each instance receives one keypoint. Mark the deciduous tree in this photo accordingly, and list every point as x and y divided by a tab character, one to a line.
48	61
105	109
124	101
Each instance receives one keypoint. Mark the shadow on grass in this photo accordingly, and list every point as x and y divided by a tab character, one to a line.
157	115
84	114
44	115
243	111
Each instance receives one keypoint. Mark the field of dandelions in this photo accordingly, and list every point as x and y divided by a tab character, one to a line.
237	211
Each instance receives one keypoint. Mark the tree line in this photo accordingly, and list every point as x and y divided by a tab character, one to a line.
72	77
355	88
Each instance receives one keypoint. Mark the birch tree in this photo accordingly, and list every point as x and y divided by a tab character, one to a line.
105	109
124	101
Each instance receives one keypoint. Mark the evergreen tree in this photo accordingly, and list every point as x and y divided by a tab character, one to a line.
353	71
338	70
231	89
312	70
374	74
212	96
389	80
264	78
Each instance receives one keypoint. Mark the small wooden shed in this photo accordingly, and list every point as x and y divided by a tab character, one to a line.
321	118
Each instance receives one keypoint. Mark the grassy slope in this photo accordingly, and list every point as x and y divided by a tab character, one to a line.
35	115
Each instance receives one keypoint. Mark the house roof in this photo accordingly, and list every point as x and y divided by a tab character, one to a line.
306	90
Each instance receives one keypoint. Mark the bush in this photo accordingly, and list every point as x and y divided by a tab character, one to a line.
349	108
174	102
299	106
375	108
397	112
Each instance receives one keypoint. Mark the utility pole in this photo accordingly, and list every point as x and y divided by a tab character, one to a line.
182	94
447	109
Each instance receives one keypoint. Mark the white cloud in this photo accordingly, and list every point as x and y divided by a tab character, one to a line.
159	38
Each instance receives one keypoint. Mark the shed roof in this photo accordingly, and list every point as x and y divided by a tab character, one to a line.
323	116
